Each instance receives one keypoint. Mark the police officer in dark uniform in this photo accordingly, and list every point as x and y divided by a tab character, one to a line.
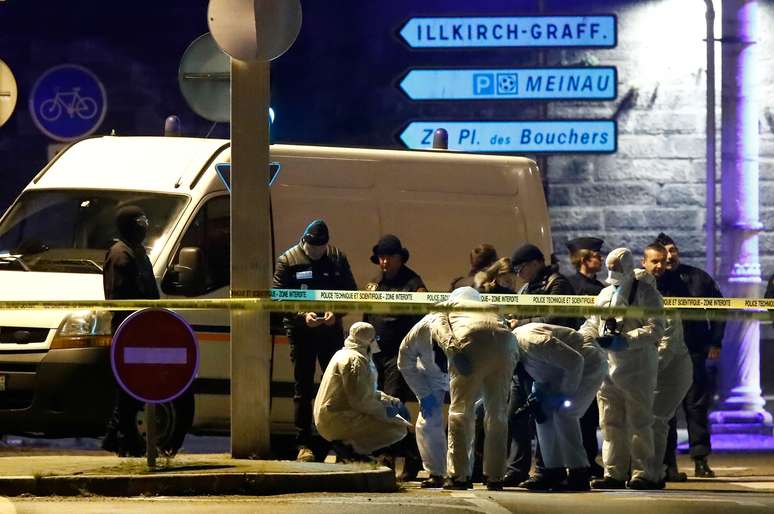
313	336
127	275
585	256
394	275
529	264
703	339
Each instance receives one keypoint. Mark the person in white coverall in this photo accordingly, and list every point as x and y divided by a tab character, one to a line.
626	396
568	371
482	354
675	369
417	362
349	410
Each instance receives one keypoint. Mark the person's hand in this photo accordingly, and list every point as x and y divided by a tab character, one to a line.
714	353
428	405
312	320
329	318
513	323
613	343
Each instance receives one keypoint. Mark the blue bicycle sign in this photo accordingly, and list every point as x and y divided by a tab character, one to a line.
68	102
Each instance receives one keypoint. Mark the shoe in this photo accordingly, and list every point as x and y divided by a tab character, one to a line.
452	484
643	484
702	469
673	475
541	482
608	483
494	485
434	482
386	460
305	454
577	480
596	471
514	478
411	468
110	442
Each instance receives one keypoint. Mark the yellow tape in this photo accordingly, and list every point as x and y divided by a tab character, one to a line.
384	302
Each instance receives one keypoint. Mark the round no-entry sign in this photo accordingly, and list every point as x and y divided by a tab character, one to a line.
154	355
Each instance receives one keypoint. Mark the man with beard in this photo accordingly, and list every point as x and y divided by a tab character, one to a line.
704	339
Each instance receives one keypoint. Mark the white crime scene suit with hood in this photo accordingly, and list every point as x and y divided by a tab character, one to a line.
348	406
626	396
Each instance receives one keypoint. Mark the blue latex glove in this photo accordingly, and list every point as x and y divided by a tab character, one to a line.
613	343
462	364
428	405
392	410
404	412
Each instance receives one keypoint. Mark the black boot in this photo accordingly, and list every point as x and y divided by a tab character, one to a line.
411	468
702	469
548	479
578	480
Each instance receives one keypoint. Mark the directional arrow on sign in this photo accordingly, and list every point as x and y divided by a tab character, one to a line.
580	83
526	136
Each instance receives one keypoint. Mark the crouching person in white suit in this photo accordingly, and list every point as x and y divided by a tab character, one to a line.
419	364
567	373
349	410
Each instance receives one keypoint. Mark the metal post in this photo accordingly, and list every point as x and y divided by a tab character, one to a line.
710	135
741	407
150	434
251	260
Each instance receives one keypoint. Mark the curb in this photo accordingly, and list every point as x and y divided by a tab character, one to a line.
259	484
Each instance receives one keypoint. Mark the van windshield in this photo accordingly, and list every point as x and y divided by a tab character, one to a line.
69	231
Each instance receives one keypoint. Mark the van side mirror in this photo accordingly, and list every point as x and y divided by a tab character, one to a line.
187	277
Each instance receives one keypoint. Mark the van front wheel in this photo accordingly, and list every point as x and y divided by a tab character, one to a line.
173	421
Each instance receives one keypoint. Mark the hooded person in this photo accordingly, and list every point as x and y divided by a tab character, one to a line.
626	396
568	371
349	410
314	337
482	354
127	275
426	373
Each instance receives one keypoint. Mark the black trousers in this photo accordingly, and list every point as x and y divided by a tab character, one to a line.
521	426
307	349
589	423
696	404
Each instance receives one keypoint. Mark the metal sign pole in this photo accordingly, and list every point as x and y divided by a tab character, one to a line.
150	434
250	258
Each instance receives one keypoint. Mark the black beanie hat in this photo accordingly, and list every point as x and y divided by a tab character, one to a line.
389	245
316	233
526	253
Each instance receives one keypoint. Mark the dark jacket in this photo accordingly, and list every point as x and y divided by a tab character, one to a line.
549	281
700	335
127	275
583	285
295	270
390	330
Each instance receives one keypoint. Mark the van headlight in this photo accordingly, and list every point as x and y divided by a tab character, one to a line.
83	329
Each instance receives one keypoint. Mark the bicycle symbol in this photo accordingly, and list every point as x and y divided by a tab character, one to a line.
70	103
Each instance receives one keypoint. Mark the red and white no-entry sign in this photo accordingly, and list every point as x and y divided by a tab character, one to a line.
154	355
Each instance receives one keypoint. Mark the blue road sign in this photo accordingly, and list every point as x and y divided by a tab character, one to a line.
533	136
587	83
68	102
501	31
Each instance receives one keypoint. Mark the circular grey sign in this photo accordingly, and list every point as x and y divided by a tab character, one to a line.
254	30
204	77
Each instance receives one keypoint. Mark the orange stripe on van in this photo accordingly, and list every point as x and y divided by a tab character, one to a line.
219	337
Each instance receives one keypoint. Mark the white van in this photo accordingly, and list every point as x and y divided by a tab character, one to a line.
55	378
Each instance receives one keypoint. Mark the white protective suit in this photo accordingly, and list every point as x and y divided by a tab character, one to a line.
573	367
675	375
348	406
492	354
626	396
416	361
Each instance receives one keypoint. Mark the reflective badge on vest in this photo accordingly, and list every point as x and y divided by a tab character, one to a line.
304	275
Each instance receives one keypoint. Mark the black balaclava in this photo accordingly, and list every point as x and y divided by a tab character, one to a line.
131	229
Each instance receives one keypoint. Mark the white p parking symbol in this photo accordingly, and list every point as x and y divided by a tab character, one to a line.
483	84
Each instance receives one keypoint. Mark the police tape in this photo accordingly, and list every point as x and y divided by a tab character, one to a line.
396	303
